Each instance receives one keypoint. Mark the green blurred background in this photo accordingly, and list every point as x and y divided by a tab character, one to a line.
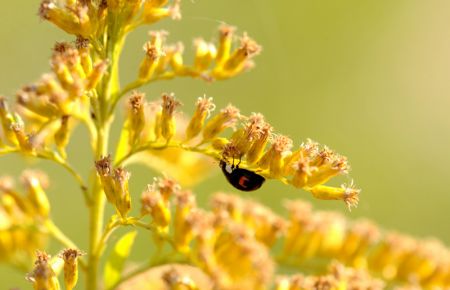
368	78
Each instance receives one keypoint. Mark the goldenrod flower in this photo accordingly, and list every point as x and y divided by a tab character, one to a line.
159	9
105	172
178	281
70	257
227	118
183	219
204	107
338	277
153	52
21	217
115	185
136	118
123	199
43	277
7	119
265	225
81	18
253	146
239	60
155	205
62	135
35	182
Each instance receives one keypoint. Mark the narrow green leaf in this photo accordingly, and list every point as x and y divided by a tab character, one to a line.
123	147
114	265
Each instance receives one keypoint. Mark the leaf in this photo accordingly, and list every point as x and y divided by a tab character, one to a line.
114	265
123	147
187	168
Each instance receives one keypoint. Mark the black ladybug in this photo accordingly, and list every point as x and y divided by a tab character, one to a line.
241	179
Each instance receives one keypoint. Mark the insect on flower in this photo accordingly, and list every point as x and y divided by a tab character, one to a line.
240	178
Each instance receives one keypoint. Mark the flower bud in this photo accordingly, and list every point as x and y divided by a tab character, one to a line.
176	60
23	139
154	204
248	49
82	45
227	118
150	62
256	150
62	136
225	42
136	117
348	194
72	19
96	75
43	276
205	53
177	281
121	191
104	171
273	158
157	10
167	120
185	204
7	121
70	257
34	182
244	137
203	110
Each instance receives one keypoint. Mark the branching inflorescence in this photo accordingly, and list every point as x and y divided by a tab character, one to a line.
238	243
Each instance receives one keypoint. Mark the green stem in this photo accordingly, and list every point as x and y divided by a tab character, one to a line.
96	213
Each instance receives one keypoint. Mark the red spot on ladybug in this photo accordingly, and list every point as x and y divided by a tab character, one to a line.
240	178
243	181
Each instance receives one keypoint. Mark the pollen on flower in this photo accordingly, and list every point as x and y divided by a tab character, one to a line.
249	47
136	101
152	51
351	195
104	166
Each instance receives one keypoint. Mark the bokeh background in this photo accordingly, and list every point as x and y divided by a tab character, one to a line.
368	78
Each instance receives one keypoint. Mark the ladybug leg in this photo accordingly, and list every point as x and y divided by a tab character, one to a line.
240	160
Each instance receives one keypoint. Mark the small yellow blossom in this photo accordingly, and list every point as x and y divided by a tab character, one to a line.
115	185
70	257
43	277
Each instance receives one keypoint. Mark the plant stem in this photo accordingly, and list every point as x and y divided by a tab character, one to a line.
108	88
96	213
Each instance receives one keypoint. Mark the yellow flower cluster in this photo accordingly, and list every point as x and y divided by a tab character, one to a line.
90	18
22	217
232	243
227	251
338	277
44	275
115	185
211	61
253	145
46	107
362	244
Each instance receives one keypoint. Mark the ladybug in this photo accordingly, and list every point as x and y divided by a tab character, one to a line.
241	179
